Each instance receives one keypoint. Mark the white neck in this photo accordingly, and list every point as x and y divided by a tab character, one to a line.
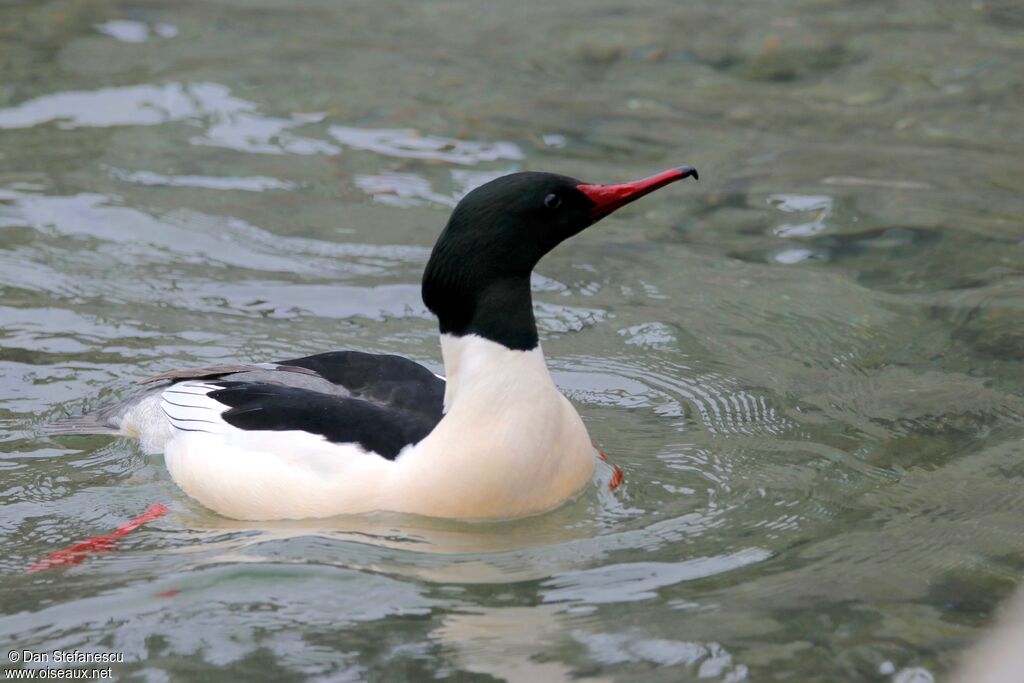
479	369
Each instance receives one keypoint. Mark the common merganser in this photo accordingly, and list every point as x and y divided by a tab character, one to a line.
352	432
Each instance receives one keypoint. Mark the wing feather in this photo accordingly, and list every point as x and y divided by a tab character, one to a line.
218	406
213	371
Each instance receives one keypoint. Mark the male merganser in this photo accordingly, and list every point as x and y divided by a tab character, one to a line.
351	432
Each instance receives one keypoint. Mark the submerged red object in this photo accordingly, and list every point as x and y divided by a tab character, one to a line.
99	544
617	476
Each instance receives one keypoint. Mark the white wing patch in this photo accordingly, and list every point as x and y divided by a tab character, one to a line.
189	408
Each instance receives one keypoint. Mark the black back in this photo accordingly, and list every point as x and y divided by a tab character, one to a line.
381	402
382	378
376	427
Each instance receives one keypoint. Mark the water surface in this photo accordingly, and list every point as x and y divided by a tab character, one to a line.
808	364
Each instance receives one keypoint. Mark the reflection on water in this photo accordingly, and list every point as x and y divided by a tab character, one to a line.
807	365
409	189
138	105
409	144
640	580
817	207
128	31
249	184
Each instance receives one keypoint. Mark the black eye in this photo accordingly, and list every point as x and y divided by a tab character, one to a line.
552	201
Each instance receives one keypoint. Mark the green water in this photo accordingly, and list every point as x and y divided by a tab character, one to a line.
808	364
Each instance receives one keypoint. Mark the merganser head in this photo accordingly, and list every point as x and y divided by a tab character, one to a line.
477	280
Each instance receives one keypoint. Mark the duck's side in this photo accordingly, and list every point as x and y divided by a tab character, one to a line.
509	444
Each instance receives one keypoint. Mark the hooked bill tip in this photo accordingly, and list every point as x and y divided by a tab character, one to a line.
688	171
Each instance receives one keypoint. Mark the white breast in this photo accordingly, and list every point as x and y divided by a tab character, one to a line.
510	444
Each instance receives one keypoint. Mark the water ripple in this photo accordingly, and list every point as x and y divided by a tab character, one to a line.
410	144
128	31
723	408
247	183
634	581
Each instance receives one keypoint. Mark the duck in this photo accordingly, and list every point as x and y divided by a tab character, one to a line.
351	432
